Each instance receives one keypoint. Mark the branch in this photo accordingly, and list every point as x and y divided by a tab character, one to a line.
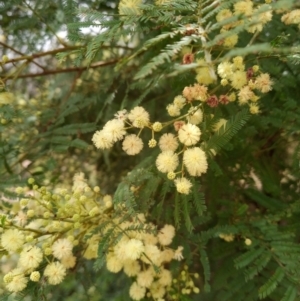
20	53
55	51
65	70
41	54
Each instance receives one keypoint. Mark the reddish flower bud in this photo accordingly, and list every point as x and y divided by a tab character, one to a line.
213	101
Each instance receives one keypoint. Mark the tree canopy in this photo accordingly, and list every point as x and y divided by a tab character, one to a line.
149	150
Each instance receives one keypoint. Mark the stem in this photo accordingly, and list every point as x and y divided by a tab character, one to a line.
20	53
66	70
253	38
41	54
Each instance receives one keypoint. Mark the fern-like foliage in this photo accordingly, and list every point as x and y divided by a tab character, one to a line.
225	133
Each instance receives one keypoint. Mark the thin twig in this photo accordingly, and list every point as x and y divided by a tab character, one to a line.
41	54
20	53
47	25
58	50
65	70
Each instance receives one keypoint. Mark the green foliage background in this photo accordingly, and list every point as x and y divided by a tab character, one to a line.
63	96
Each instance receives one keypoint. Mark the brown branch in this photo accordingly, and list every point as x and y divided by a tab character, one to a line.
20	53
58	50
65	70
41	54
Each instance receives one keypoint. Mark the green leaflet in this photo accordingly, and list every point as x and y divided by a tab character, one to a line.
186	214
265	201
257	265
271	284
206	268
225	133
247	258
290	294
164	57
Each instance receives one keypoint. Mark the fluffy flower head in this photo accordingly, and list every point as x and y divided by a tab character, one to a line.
263	83
137	292
195	161
114	129
199	92
131	268
113	264
35	276
243	7
238	79
157	126
18	281
139	117
145	278
195	117
12	240
168	142
121	115
132	145
102	140
179	101
183	185
55	272
238	63
157	290
165	277
62	248
69	262
254	108
153	255
167	161
223	15
30	257
205	73
189	134
245	94
231	41
173	110
225	69
166	235
292	17
167	255
133	249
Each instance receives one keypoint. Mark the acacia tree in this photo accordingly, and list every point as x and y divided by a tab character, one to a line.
150	150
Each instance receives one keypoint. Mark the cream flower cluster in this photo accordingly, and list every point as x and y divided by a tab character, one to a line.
55	222
227	237
193	158
44	227
184	284
235	82
116	129
292	17
144	256
182	147
182	155
246	85
179	151
257	16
